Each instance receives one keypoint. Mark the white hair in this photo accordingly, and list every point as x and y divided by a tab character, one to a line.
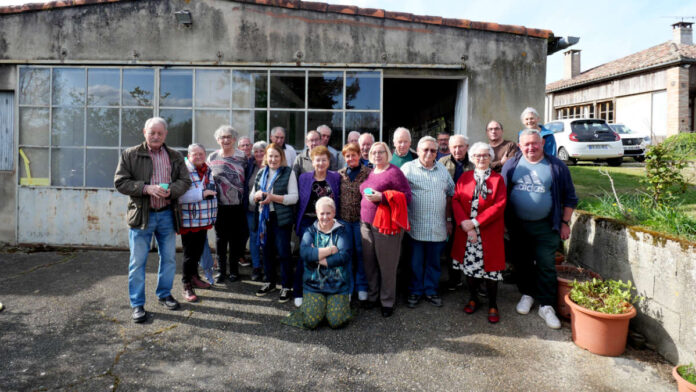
426	139
276	129
527	132
325	201
193	146
260	145
225	130
155	120
365	135
402	130
478	146
525	111
455	137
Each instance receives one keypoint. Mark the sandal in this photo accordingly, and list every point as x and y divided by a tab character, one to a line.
470	307
493	316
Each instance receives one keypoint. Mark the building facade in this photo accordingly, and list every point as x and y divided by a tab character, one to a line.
78	78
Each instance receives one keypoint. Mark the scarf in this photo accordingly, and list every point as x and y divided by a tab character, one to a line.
480	177
266	209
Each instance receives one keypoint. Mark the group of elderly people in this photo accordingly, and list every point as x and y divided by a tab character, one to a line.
355	212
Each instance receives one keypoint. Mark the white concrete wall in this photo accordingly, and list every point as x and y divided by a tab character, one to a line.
663	269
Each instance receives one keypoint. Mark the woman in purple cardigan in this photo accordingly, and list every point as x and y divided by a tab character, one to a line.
312	186
381	251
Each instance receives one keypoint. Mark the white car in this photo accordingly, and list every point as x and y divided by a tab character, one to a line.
586	139
634	143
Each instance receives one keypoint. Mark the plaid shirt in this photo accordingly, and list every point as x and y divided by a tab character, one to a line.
429	191
200	213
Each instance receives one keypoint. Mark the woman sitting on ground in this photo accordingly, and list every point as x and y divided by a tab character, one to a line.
326	254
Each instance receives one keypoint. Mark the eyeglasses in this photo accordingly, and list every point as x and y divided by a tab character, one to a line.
225	137
430	150
379	152
494	129
477	156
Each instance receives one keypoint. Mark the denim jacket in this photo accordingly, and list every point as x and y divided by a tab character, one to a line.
337	278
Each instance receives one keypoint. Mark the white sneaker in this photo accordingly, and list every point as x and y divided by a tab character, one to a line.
525	304
362	295
549	315
298	302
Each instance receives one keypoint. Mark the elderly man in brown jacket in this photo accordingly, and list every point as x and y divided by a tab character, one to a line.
153	176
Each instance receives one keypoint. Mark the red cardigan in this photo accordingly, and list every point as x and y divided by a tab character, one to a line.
490	219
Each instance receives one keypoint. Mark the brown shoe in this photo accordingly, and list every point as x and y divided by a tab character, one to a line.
189	294
198	283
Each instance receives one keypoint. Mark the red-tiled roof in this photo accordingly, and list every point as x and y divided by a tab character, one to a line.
321	7
663	54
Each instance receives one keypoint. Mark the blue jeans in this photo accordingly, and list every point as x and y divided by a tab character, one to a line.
277	243
161	224
353	228
253	241
425	267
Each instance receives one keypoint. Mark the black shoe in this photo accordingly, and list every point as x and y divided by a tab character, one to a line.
434	299
413	300
257	275
265	289
387	311
139	314
284	295
232	277
169	302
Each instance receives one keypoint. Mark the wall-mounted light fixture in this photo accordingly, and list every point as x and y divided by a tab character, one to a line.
183	17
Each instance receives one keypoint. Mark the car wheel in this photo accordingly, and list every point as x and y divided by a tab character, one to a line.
565	157
615	162
639	158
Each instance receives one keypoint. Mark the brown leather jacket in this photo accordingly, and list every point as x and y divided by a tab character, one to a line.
134	171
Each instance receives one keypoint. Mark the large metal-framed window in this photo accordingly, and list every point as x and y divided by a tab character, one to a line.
74	121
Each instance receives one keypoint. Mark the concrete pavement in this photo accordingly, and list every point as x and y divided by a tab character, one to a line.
67	326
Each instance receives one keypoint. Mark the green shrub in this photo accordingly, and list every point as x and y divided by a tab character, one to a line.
663	175
688	373
682	144
605	296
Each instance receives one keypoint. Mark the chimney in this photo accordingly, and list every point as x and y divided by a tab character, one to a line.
682	33
571	66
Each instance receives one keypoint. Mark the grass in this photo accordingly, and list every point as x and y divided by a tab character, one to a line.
595	194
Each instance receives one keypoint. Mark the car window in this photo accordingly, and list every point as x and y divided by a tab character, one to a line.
555	127
620	128
589	127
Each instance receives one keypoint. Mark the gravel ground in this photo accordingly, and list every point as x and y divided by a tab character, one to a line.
67	326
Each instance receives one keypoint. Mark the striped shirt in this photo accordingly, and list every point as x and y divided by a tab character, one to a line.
429	191
161	174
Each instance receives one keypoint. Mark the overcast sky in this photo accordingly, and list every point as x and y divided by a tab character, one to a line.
608	30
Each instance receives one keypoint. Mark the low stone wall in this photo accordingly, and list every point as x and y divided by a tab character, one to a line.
662	267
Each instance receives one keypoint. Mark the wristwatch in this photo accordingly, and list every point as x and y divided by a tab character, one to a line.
567	222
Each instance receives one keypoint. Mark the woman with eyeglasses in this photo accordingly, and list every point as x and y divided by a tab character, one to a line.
478	249
385	188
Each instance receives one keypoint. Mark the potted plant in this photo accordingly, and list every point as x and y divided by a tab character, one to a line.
566	274
599	314
686	377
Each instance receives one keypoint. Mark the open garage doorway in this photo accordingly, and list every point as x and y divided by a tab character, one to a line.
424	106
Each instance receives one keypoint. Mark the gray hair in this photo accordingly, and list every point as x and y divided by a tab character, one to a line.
242	138
353	133
426	139
457	136
527	132
225	130
478	146
260	145
195	145
324	126
524	112
155	120
366	134
402	130
276	129
325	201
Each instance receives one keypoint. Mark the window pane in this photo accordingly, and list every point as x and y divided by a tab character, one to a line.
334	120
213	89
101	166
33	126
66	167
34	86
294	125
138	87
287	89
243	122
249	89
68	87
37	159
102	127
176	87
179	127
362	90
363	122
325	90
68	127
260	126
132	123
207	121
103	86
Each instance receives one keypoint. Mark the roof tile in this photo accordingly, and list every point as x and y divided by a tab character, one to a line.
314	6
343	9
373	12
398	16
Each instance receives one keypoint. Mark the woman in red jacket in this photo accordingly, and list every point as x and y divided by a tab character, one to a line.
478	249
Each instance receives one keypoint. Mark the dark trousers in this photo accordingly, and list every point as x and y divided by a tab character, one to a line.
230	229
193	243
534	244
277	244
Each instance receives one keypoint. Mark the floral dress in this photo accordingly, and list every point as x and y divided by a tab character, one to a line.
472	265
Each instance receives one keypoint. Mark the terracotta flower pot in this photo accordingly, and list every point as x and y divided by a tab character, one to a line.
599	333
682	385
564	286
